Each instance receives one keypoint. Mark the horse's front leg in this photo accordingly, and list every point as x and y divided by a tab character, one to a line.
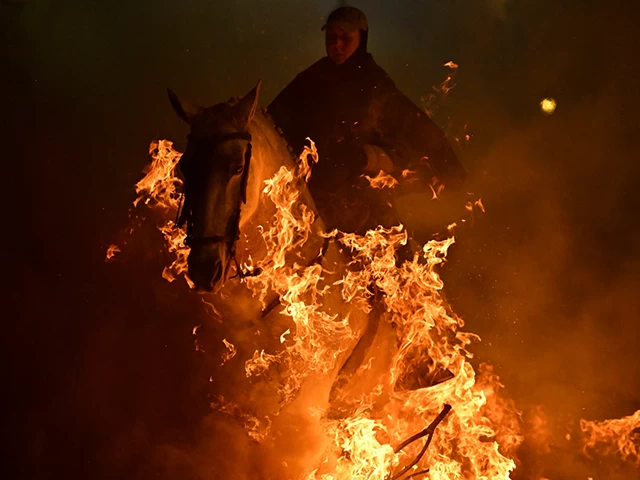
368	362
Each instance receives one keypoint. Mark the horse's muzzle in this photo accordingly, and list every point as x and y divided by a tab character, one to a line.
208	266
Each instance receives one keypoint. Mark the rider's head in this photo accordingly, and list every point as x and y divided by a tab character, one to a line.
346	33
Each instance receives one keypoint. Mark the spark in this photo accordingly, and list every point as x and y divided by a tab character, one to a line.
111	252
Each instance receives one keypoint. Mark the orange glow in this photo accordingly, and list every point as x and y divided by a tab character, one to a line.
428	364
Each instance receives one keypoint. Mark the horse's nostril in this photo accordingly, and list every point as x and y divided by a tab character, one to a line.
206	269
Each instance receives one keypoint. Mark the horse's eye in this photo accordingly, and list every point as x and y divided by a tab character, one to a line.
237	169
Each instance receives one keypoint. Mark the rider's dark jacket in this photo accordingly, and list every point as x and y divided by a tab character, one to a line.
348	109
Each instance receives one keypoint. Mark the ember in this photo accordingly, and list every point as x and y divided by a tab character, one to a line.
111	252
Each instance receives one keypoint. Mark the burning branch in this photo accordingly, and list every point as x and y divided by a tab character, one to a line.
427	432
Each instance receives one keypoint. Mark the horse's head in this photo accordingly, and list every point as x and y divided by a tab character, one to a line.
215	167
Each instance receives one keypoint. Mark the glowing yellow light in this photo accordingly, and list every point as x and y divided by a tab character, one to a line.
548	105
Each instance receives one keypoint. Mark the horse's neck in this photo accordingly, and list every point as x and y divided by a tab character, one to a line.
269	153
270	149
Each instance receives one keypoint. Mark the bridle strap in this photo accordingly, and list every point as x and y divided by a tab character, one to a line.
231	237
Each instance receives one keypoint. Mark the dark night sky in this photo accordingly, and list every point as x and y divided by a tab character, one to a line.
96	352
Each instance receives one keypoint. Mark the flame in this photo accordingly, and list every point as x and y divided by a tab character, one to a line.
230	353
256	429
618	436
428	361
436	188
409	175
429	341
445	87
469	206
381	180
111	252
319	337
430	102
283	337
175	238
160	189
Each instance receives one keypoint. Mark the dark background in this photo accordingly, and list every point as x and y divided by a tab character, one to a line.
99	361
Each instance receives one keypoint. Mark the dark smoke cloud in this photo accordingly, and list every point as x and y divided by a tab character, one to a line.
102	370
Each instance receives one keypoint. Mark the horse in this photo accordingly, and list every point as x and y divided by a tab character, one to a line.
233	148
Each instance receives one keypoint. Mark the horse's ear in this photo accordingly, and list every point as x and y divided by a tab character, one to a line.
248	105
185	110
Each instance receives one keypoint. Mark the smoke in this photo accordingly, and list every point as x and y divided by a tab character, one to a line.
548	277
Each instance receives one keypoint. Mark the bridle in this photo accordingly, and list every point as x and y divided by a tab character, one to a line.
232	234
233	226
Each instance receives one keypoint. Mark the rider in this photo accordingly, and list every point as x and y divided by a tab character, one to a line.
361	124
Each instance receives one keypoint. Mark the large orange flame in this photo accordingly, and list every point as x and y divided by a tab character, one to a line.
429	361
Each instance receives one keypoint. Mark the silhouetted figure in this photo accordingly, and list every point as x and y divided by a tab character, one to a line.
361	123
